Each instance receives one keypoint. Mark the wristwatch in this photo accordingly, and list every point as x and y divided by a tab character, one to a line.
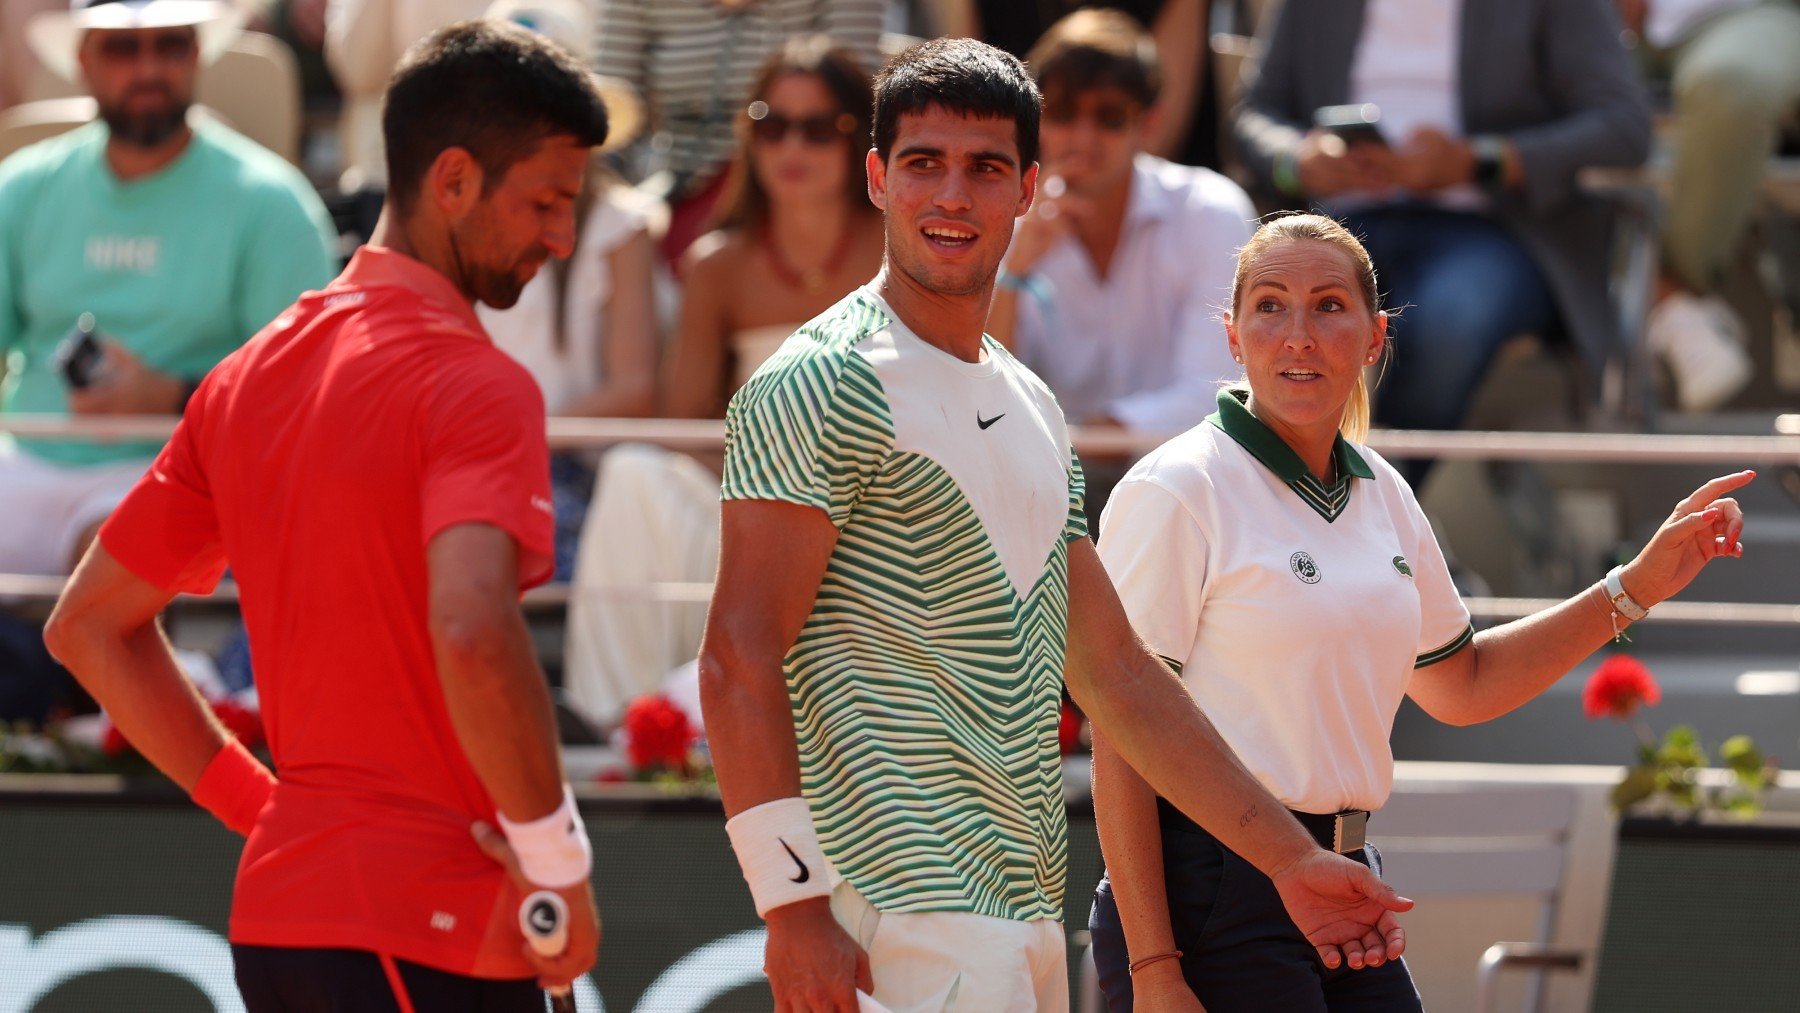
1622	603
1490	161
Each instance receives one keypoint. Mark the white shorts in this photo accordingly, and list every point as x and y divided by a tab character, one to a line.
45	507
953	961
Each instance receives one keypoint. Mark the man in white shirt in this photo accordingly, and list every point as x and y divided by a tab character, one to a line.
1112	288
1466	191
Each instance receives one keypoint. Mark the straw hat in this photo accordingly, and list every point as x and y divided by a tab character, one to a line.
570	25
56	35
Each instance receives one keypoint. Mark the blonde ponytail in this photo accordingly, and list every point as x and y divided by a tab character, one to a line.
1355	424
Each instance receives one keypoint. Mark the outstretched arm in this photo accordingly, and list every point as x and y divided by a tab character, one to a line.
1508	665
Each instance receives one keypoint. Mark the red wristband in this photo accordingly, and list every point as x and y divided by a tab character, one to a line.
234	787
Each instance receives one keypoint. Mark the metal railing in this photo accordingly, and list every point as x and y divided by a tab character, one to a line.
1783	448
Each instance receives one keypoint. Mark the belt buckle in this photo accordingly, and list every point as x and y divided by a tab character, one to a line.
1349	830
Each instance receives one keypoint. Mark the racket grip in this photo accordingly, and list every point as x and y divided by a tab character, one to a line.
544	919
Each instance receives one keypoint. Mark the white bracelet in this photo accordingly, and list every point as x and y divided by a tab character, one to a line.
1622	602
553	850
778	850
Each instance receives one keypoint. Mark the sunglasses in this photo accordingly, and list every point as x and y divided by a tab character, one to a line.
170	46
1108	116
769	127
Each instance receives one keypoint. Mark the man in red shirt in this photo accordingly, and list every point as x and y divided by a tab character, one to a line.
374	471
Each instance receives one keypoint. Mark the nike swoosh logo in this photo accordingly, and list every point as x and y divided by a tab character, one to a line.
984	423
805	873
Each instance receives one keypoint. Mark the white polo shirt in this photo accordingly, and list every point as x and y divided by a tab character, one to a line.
1295	612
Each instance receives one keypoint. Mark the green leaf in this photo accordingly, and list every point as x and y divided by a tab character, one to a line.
1740	754
1681	747
1639	784
1742	806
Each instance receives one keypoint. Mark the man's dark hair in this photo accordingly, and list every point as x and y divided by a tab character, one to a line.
961	76
1096	48
492	88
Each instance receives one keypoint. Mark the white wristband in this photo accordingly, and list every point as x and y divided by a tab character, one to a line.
553	850
779	852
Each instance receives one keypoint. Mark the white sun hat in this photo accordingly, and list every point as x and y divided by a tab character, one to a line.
56	35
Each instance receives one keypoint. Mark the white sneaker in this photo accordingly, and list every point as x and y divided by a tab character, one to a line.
1702	341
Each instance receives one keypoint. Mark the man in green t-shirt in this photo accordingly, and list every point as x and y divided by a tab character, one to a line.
173	237
904	578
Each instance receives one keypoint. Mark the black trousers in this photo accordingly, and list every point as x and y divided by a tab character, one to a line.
1241	951
283	980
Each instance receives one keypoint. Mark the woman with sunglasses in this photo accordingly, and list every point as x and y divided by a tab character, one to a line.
797	234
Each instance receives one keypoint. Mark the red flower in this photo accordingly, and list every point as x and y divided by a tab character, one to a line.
1617	687
659	733
241	721
1068	734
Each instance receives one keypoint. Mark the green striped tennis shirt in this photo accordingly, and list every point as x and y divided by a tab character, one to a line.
927	680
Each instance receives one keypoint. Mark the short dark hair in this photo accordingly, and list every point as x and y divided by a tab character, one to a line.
492	88
1096	48
962	76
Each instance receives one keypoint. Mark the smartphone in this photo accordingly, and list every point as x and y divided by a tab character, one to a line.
78	355
1354	124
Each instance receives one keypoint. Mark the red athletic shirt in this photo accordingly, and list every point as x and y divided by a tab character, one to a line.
318	461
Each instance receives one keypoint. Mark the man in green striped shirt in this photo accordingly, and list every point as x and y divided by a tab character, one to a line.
905	576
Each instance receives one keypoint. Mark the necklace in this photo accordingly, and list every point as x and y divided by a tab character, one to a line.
813	279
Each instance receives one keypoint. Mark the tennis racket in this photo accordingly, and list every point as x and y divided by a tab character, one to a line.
544	919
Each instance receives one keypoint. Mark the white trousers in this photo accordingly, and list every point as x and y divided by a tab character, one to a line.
955	962
45	507
654	519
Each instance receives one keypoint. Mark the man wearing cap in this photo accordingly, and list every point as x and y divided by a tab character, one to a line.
175	239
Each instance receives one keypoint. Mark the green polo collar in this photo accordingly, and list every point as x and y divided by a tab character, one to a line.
1235	419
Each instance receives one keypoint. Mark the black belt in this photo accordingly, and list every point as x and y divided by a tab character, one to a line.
1340	832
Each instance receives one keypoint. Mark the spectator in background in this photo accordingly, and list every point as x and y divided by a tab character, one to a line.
798	234
1186	127
1735	70
364	40
1112	288
181	240
586	326
18	64
695	60
1468	204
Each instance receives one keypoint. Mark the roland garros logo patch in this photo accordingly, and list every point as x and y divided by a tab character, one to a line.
1304	567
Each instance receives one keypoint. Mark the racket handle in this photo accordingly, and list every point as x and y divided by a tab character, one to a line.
544	919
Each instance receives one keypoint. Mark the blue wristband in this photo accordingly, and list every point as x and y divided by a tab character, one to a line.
1015	282
1030	285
